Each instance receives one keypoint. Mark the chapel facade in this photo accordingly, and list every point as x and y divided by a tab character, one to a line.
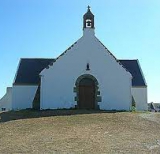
85	76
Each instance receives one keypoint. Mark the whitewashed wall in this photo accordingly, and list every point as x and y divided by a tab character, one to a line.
58	81
22	96
140	97
6	100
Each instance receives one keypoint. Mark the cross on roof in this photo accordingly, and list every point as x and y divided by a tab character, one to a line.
89	7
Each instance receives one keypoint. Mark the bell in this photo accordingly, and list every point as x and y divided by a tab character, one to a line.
88	23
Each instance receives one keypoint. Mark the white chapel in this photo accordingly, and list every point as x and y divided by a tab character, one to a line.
85	76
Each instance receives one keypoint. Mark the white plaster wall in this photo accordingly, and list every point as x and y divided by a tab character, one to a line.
6	100
22	96
140	97
58	81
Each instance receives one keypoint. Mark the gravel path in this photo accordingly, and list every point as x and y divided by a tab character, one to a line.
151	116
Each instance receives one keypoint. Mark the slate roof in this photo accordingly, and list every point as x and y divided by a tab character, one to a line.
29	70
134	68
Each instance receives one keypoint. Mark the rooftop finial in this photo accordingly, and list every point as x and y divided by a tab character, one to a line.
89	7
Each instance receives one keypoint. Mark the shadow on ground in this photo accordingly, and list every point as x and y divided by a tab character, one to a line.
28	114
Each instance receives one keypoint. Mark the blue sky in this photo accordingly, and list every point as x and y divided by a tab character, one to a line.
130	29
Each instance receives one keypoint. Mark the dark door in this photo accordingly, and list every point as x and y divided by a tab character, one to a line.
87	94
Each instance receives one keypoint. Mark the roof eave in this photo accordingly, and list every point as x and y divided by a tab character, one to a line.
17	71
141	72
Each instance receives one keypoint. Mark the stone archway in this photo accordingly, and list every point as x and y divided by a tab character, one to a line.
87	94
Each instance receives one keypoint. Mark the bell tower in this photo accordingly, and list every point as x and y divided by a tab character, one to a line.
88	19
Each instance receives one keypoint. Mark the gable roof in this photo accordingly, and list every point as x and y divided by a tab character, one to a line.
134	68
63	53
112	55
29	70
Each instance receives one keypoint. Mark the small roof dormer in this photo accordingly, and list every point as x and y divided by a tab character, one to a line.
88	19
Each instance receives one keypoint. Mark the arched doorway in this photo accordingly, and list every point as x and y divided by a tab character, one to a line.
86	93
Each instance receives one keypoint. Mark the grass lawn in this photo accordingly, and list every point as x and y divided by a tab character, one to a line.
79	131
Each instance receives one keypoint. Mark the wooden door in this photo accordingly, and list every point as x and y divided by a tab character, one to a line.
87	94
